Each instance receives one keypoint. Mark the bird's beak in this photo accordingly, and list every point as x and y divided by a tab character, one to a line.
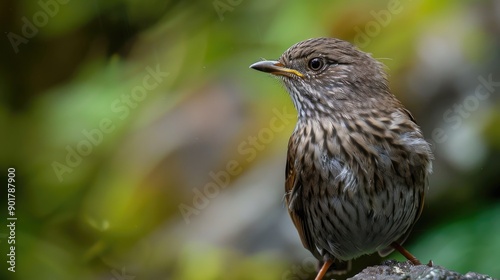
275	68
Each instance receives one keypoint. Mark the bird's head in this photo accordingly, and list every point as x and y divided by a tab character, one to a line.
324	75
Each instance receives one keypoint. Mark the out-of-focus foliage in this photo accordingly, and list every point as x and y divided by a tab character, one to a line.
145	148
469	242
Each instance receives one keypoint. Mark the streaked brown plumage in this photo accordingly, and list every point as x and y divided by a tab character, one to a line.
357	163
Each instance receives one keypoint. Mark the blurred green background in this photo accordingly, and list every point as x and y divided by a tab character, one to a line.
145	148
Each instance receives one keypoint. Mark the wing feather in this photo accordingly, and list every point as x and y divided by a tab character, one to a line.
294	198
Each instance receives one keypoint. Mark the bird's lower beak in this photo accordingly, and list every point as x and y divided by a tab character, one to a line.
275	68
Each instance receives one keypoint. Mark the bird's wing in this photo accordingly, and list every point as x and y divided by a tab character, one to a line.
422	177
407	112
294	199
420	193
387	250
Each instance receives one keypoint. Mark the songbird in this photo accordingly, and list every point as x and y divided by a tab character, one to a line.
357	166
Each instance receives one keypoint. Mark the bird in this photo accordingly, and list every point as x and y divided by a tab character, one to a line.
357	164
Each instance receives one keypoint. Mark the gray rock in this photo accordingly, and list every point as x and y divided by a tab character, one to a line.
395	270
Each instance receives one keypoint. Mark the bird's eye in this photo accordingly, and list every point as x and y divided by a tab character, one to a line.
316	63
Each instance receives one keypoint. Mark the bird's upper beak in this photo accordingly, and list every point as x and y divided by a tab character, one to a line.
275	68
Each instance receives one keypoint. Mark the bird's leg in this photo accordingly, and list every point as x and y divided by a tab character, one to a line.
405	253
323	269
